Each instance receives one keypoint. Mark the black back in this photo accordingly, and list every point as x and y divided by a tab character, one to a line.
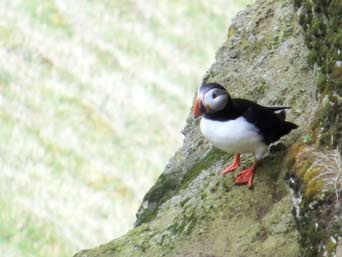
271	125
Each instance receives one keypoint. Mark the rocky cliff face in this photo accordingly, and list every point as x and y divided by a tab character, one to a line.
294	208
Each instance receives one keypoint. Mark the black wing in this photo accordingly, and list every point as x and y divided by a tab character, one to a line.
271	126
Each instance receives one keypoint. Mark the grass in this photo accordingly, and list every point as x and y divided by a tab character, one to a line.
329	167
93	96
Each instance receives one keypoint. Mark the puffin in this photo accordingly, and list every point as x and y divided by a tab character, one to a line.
238	126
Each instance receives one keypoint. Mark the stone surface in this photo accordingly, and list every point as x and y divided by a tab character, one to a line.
191	210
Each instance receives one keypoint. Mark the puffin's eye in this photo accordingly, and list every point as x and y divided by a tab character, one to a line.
214	95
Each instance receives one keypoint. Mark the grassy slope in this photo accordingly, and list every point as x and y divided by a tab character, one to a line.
93	95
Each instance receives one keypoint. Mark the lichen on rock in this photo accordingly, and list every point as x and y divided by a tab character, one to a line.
316	164
192	211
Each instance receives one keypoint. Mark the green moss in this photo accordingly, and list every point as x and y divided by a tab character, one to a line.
308	5
168	184
308	237
322	80
312	58
163	189
331	247
321	21
316	227
186	225
204	164
302	19
297	3
317	215
315	26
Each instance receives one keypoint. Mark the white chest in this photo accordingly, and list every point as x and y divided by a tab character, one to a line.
233	136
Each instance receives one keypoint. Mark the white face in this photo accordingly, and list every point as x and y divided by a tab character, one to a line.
215	100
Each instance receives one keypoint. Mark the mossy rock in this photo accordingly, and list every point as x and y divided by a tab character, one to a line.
191	210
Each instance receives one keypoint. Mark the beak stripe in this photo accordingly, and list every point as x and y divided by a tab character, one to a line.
196	108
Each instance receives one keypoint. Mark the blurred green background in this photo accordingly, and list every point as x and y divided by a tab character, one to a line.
93	97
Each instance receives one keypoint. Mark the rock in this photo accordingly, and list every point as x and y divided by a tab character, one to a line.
339	250
192	211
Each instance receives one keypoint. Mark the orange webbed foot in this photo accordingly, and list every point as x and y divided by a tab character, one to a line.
246	176
232	167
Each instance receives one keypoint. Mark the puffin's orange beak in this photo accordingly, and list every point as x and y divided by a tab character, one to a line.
196	108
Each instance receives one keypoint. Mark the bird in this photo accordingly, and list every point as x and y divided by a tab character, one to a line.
238	126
